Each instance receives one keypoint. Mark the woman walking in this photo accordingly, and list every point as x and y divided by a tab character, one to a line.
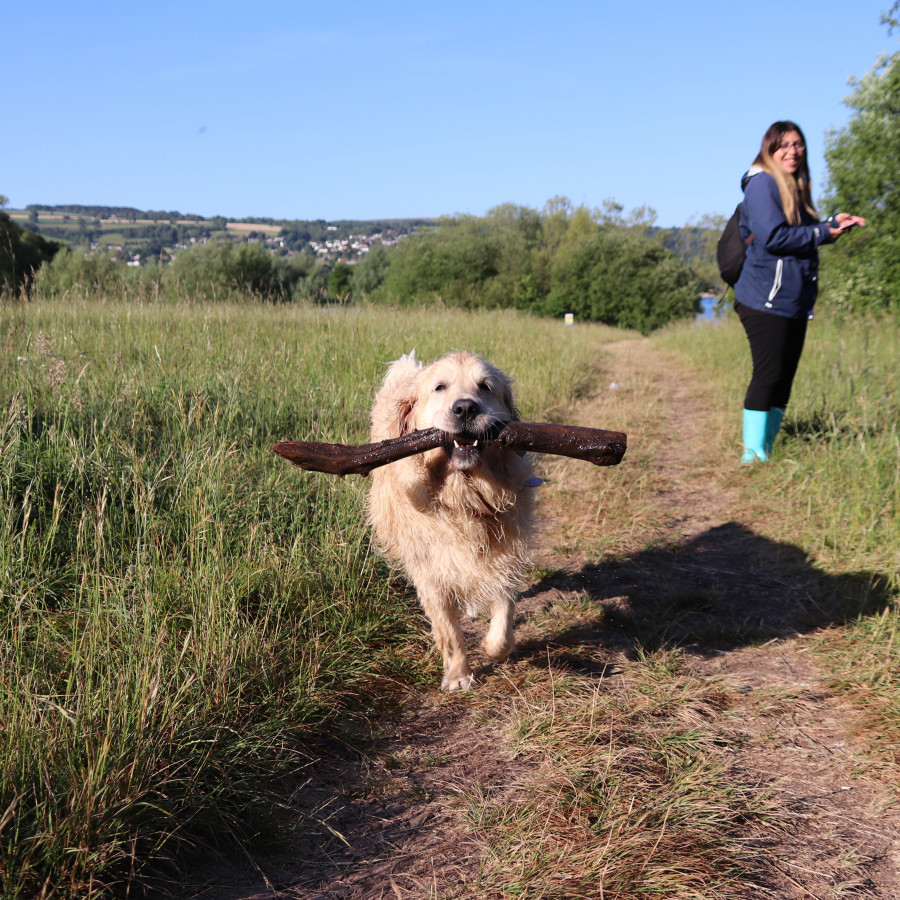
777	289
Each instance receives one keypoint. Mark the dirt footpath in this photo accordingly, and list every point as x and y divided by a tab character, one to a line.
694	575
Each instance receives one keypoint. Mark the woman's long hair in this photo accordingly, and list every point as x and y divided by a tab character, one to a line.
796	190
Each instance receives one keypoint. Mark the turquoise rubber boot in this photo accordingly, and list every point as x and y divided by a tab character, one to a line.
773	426
754	436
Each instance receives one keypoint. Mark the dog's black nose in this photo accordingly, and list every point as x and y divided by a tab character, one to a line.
465	410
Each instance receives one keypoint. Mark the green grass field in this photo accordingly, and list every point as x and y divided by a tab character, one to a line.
181	611
179	608
839	482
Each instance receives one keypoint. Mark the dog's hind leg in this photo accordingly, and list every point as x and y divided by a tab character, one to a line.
500	641
450	641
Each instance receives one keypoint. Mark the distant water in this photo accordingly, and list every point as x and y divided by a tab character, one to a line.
708	311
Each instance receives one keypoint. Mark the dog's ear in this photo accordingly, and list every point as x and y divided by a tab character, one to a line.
401	384
405	418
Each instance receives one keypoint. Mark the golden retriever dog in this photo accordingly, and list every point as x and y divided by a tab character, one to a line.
457	519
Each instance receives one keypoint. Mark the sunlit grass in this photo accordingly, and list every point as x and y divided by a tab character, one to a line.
627	796
837	471
179	608
833	487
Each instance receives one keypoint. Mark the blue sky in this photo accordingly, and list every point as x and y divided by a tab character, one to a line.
351	110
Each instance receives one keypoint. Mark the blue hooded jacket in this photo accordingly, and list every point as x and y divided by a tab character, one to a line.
780	274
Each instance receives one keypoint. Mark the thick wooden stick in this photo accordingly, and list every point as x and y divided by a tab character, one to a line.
346	459
594	445
602	448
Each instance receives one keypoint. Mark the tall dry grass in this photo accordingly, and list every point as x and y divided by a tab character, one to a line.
180	610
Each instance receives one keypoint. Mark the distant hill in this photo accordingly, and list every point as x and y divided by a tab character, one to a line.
141	235
124	213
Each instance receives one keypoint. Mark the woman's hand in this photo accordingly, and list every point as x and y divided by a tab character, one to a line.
842	223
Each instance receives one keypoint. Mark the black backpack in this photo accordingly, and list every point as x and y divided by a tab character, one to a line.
731	250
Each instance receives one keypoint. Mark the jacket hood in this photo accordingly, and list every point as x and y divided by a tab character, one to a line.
753	170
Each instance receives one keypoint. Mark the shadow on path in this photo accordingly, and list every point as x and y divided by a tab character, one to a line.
367	823
728	587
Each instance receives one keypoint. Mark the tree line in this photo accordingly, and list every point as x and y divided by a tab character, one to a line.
599	265
596	264
128	213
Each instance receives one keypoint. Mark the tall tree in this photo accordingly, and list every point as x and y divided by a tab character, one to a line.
21	253
863	161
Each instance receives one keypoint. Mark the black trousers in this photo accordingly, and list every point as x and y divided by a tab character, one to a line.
775	345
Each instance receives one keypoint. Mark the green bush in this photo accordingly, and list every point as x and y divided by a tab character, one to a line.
73	273
221	270
454	263
307	275
217	271
620	277
339	282
369	273
558	261
72	270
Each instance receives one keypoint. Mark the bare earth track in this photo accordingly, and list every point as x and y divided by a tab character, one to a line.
738	604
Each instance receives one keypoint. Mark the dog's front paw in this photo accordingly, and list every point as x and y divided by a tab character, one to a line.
462	683
498	649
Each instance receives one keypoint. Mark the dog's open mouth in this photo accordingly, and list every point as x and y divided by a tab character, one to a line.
465	448
465	452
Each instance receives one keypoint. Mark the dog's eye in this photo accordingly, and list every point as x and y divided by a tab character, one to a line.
440	387
484	386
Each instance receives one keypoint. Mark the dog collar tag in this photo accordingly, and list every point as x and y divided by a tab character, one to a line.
534	482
